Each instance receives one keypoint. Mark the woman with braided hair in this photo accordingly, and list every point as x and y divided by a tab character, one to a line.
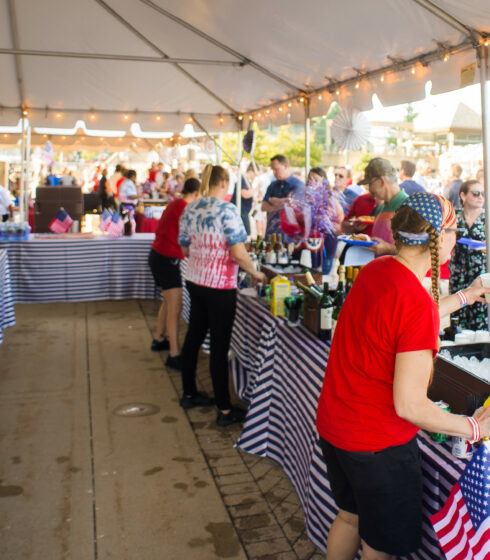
374	396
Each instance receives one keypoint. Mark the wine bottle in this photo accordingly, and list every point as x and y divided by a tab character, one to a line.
339	294
348	279
453	329
310	281
307	290
325	306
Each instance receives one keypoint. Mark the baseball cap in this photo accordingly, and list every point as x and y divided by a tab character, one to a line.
377	167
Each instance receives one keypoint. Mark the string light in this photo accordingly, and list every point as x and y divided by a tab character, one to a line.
25	113
413	70
290	104
250	117
301	99
486	43
280	109
382	79
357	85
126	117
446	57
158	118
268	111
92	116
320	97
190	119
259	115
240	117
338	92
221	119
58	115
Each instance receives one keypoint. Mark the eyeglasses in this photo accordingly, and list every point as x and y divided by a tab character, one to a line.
457	231
476	194
339	175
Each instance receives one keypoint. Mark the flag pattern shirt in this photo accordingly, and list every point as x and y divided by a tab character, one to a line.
209	227
463	524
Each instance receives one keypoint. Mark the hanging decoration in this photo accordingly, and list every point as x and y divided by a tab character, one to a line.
351	129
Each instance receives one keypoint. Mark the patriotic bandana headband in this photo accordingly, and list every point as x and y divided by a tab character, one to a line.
430	207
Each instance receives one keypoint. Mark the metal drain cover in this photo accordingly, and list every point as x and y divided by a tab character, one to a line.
136	409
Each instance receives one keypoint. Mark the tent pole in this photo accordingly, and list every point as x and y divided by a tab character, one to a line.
307	138
22	173
218	145
28	172
482	54
238	188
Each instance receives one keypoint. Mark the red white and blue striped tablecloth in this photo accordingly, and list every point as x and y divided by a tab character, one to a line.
44	270
7	314
278	371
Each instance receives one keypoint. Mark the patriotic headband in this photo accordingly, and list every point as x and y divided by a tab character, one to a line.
430	207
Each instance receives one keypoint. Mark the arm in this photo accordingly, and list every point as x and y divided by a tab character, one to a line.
185	251
473	293
412	374
382	247
240	254
273	204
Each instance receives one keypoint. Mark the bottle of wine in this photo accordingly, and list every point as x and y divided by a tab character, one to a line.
307	290
310	281
339	294
453	329
348	279
325	306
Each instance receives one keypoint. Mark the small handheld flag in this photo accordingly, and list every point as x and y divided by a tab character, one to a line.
61	223
116	225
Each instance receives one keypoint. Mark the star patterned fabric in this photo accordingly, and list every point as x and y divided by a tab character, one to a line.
463	524
428	206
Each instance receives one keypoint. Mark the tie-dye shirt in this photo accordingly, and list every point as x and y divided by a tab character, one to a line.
209	227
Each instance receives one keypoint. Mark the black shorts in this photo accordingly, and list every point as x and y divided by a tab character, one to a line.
384	489
165	270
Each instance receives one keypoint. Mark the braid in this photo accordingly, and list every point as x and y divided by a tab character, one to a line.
434	262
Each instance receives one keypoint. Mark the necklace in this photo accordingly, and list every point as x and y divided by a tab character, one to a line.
409	266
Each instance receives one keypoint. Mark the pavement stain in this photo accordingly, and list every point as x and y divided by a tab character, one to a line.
181	486
154	470
169	419
201	484
16	460
9	491
223	538
62	459
183	459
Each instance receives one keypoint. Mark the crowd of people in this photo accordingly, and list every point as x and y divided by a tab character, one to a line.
374	397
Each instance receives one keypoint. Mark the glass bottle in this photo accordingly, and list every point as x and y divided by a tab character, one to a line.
325	307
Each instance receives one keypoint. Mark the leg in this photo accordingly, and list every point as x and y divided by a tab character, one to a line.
161	319
369	553
221	310
198	326
343	537
174	307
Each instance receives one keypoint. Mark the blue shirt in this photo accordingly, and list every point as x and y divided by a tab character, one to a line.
281	189
410	187
349	195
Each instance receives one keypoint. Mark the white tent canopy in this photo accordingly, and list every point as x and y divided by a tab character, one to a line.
162	63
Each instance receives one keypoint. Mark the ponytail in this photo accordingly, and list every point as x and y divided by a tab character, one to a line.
212	176
206	174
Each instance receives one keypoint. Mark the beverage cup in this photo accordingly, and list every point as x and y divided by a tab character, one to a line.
75	226
470	334
462	338
485	280
305	258
482	336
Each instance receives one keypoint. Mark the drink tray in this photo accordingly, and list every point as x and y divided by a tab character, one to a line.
463	391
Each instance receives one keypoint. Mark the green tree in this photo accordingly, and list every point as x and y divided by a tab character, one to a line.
410	115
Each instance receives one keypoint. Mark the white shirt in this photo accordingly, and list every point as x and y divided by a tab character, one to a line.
5	200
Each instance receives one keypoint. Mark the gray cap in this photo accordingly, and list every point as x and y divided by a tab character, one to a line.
377	167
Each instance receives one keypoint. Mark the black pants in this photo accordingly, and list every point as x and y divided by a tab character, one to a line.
214	309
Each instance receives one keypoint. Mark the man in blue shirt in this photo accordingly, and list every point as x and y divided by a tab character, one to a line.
451	190
285	186
407	171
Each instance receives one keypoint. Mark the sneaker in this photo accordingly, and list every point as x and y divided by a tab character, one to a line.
235	416
159	345
174	362
199	399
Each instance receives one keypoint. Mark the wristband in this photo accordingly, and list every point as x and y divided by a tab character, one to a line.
462	298
476	429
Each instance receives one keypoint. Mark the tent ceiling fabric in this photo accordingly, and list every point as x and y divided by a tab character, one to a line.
260	54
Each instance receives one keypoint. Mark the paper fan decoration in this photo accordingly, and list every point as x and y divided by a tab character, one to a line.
351	129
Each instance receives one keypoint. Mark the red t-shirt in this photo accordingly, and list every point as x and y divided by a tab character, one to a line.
387	311
119	183
363	205
168	230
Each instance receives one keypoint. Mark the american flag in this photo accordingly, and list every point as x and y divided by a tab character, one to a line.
62	222
105	220
463	524
116	225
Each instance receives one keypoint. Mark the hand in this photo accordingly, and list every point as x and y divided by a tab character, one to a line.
475	292
259	277
277	202
381	247
483	417
358	227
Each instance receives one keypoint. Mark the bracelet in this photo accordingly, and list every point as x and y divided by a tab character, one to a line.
476	429
462	298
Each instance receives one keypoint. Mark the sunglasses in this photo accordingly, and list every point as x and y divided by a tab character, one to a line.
339	175
476	194
458	231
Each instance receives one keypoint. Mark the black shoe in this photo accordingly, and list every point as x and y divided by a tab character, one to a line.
199	399
174	362
159	345
235	416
